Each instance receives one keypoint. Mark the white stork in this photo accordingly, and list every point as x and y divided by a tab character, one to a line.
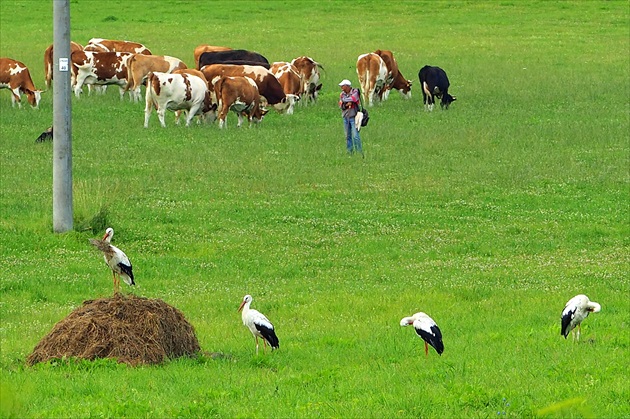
116	259
259	325
427	329
577	309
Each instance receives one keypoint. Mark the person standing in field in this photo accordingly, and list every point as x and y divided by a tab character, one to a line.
349	104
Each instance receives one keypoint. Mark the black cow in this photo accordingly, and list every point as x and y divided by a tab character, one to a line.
235	56
434	83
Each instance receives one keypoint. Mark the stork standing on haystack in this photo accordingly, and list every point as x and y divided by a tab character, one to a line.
427	329
116	259
577	309
259	325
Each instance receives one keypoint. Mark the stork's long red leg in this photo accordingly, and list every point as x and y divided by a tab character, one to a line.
256	345
114	279
426	350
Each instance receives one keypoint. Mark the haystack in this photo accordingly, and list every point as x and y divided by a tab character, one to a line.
130	329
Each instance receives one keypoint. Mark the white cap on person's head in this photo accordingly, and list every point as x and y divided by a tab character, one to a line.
345	82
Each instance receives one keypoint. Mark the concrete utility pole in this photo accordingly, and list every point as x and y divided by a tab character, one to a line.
62	119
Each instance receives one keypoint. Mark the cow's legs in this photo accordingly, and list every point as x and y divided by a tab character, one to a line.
135	94
240	119
148	107
428	96
371	93
15	97
161	112
223	113
191	114
78	86
147	114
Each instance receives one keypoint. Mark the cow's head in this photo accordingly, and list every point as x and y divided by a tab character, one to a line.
258	114
447	99
287	104
209	112
34	96
405	90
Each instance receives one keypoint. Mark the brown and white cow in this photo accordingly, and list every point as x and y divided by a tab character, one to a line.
289	78
194	72
238	94
140	65
308	69
372	72
206	48
395	80
48	60
14	75
268	85
101	68
176	92
111	45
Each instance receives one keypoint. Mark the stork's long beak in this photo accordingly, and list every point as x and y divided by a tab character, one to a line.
104	236
241	306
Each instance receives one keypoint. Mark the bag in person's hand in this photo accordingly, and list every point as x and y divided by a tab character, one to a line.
365	118
361	119
358	119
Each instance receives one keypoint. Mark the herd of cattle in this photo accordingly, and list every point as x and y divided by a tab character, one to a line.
223	79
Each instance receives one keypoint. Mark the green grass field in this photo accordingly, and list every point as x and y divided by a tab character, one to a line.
488	217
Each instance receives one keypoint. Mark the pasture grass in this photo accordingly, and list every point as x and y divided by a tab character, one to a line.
489	217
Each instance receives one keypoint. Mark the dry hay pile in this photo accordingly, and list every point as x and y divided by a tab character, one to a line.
131	329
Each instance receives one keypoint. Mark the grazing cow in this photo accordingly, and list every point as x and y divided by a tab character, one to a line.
14	75
176	92
234	56
48	60
372	72
206	48
308	69
110	45
434	83
140	65
289	78
101	68
268	85
239	94
395	80
199	74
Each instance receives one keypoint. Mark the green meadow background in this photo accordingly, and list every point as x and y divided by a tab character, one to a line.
488	217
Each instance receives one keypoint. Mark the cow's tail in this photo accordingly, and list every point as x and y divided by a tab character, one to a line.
150	95
131	81
367	90
218	88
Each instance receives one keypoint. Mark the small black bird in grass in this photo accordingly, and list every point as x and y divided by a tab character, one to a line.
45	136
